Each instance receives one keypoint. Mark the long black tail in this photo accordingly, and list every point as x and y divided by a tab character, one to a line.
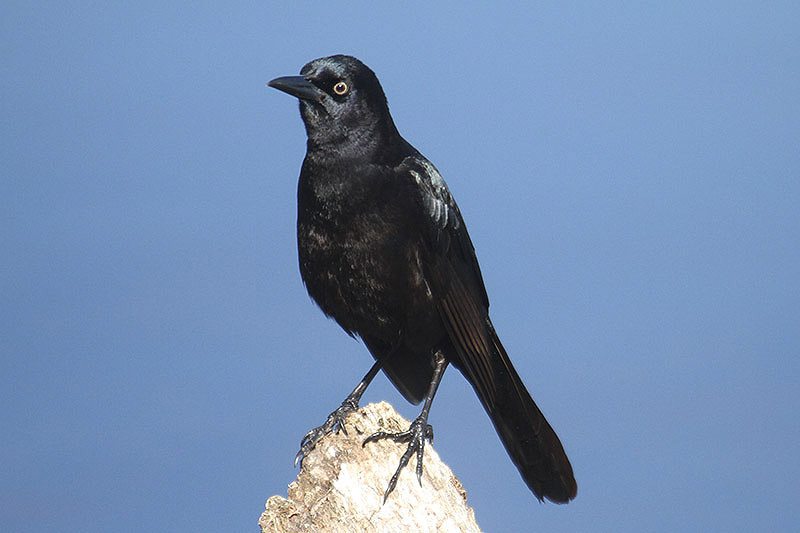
530	441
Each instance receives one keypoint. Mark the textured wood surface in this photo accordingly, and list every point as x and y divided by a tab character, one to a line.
340	487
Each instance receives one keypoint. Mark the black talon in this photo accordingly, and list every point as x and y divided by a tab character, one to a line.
334	423
336	419
417	432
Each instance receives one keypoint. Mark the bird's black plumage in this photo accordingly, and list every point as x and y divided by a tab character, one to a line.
384	250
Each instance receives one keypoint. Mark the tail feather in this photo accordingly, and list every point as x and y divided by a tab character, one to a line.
530	441
527	436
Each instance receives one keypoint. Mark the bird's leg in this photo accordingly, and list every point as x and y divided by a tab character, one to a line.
418	431
336	419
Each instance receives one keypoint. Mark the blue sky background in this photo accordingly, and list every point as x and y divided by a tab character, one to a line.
629	174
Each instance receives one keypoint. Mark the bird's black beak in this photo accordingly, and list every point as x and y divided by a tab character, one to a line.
297	86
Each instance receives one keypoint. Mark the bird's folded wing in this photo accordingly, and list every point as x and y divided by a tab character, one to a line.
454	274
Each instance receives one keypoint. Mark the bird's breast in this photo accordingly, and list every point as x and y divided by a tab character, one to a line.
361	264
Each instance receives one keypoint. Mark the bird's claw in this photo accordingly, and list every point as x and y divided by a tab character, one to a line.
334	423
415	436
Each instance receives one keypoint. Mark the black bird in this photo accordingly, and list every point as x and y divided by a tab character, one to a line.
384	251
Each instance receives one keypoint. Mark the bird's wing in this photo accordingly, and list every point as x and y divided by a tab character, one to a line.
453	274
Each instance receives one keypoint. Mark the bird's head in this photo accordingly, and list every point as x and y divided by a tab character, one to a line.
341	102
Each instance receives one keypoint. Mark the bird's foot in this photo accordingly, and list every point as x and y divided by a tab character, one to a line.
415	436
335	422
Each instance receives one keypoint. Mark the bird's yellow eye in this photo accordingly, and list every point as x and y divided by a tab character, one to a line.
341	88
